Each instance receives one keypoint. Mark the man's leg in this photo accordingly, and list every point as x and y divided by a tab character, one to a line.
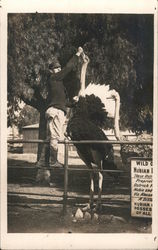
43	174
44	156
56	121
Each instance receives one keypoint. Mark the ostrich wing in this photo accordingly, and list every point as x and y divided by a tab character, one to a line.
105	95
82	129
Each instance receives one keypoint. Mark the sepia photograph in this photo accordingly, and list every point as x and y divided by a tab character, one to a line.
80	128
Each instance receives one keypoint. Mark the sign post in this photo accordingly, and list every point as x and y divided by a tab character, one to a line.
141	187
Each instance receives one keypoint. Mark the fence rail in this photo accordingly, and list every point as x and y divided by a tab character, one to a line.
66	168
83	142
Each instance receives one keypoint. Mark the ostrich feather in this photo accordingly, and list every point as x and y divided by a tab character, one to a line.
104	93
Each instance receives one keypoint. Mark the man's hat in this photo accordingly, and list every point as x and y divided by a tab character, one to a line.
53	63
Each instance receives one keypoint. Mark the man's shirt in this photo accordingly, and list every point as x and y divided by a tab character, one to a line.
69	79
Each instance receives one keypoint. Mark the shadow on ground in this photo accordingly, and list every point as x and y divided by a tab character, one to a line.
35	209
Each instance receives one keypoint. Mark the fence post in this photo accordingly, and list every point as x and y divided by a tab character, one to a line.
65	178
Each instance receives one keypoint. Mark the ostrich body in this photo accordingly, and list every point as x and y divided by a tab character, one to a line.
88	116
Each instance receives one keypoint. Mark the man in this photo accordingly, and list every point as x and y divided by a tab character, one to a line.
56	110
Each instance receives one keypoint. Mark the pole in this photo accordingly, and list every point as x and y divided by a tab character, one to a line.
65	178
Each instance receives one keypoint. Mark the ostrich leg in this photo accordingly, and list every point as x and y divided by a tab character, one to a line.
97	159
91	190
98	207
88	164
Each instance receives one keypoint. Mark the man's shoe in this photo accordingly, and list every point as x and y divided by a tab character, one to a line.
42	164
39	164
56	164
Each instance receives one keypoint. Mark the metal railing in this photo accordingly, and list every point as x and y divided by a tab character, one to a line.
82	142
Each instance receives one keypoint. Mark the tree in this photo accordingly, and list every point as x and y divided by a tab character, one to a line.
120	48
32	41
27	116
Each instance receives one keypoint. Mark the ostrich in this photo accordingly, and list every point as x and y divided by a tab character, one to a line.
88	116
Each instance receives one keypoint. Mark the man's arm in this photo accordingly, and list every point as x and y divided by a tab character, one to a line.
64	71
69	66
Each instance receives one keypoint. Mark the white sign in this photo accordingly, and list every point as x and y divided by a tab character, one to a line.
141	187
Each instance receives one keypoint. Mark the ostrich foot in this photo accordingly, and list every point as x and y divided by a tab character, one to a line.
88	208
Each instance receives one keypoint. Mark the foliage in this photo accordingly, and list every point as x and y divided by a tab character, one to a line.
13	113
27	116
23	116
128	151
31	44
120	48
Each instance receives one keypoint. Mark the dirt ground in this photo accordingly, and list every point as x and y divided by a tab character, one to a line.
37	209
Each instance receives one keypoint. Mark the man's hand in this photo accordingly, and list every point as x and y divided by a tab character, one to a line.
80	51
76	98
